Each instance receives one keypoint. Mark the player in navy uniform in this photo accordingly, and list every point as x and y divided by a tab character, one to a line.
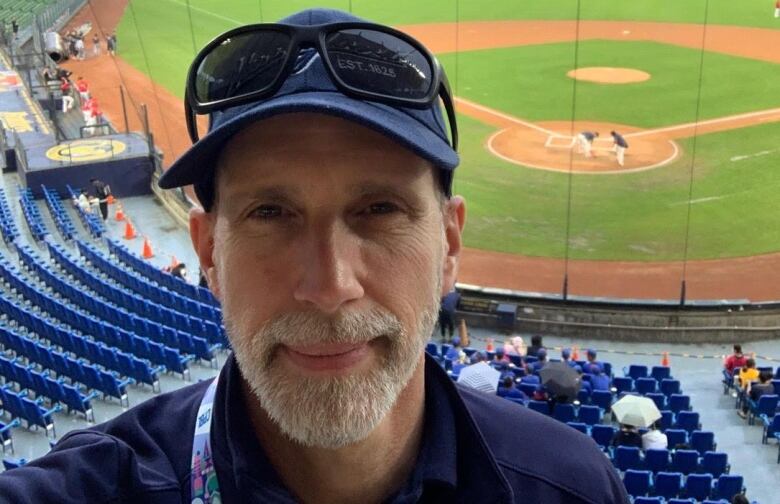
585	142
620	146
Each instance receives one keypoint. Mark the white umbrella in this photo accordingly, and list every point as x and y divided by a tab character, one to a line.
637	411
480	376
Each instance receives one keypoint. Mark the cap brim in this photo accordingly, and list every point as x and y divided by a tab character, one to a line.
197	163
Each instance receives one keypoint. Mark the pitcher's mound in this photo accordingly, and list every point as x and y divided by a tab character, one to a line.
609	75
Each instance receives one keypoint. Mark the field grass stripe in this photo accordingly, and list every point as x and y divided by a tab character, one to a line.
207	12
707	122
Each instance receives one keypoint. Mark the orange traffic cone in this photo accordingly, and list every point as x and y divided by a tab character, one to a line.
463	332
174	262
110	199
147	250
575	354
120	213
489	347
129	230
665	359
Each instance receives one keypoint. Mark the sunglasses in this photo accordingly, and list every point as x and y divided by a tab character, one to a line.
363	60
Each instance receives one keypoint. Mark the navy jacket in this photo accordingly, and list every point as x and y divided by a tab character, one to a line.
484	448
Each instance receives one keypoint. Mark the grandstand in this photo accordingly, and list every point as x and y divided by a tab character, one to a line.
89	327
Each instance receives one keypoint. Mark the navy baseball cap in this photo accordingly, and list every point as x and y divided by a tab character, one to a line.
310	89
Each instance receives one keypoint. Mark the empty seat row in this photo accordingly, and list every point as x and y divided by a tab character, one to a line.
31	214
644	386
7	222
58	213
19	406
670	485
682	461
162	278
637	371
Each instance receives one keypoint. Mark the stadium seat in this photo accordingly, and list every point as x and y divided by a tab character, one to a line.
679	402
771	427
528	388
564	412
648	500
657	460
6	440
627	457
688	420
645	385
539	407
658	398
589	415
681	501
667	420
602	435
637	482
702	441
623	384
668	484
669	387
715	463
432	349
698	486
578	426
685	461
636	371
11	463
766	405
602	399
727	486
661	373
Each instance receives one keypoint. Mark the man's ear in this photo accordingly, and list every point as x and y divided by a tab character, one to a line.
202	236
454	219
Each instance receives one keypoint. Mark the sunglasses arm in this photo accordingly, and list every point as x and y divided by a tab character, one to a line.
192	124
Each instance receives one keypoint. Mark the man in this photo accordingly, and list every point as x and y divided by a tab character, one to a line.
591	356
585	142
735	360
82	86
95	45
620	145
449	304
329	234
536	345
102	192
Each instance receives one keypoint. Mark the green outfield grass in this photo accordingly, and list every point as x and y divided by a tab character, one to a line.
530	82
639	216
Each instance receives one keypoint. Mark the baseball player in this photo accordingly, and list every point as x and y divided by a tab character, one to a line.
620	146
585	142
777	9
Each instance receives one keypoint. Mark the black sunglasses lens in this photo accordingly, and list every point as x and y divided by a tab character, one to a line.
240	65
379	63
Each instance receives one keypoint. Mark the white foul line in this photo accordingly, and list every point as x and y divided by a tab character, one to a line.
703	123
505	116
209	13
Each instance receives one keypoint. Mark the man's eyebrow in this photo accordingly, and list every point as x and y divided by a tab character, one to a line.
365	189
268	193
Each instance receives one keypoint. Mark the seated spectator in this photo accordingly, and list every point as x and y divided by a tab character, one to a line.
735	360
591	359
627	436
534	367
508	389
501	356
180	270
84	202
454	352
747	374
740	498
756	390
536	345
654	439
566	357
478	357
598	379
514	346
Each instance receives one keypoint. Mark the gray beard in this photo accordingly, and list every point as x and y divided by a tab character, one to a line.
331	412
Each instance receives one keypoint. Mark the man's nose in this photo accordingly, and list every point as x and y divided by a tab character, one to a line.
330	262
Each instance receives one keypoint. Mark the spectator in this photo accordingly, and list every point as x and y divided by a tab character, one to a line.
627	436
67	94
756	390
501	356
478	357
740	498
95	45
508	389
83	88
566	357
180	271
111	44
514	346
80	49
83	201
591	355
536	345
15	28
449	304
735	360
454	352
102	192
747	374
598	380
534	367
654	439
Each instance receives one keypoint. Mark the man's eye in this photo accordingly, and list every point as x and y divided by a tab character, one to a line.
382	208
267	212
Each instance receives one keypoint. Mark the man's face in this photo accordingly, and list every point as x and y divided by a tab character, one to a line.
329	250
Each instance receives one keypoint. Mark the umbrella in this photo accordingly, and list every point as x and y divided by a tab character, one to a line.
561	380
480	376
636	411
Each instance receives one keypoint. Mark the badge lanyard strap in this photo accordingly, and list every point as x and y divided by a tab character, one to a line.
203	475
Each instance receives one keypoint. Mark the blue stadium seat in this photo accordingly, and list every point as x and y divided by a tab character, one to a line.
76	401
661	373
115	387
578	426
38	416
602	399
6	439
657	460
648	500
771	427
539	407
623	384
685	461
715	463
688	420
669	387
636	371
177	363
698	486
679	402
589	415
766	405
564	412
668	484
703	441
637	482
645	385
602	435
12	463
627	457
727	486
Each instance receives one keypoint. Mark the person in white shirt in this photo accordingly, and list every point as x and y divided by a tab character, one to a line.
654	439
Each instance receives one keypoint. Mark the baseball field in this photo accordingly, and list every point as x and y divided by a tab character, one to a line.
702	172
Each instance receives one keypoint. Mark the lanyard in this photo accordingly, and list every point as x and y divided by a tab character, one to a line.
203	475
